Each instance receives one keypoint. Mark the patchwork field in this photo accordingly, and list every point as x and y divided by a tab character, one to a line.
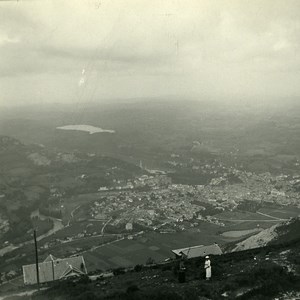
123	253
106	253
152	245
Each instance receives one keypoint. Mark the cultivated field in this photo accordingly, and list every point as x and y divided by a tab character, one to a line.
262	219
281	212
239	233
241	216
158	246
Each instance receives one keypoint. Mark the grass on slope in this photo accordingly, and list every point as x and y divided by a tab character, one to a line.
235	276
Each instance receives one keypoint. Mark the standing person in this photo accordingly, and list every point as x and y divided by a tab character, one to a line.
182	268
207	267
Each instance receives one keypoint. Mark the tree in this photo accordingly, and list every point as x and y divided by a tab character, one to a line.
150	261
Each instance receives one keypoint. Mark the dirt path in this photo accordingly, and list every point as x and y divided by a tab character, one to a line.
241	220
105	224
72	214
275	218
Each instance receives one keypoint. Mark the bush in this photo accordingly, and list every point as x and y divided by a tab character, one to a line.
87	295
150	261
132	288
167	267
269	280
138	268
119	271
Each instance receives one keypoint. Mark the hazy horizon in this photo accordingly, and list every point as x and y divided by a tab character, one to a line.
93	51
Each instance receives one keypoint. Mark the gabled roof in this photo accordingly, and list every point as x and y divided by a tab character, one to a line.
71	271
53	269
50	257
199	251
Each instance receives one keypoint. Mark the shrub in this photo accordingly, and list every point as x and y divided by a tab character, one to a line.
138	268
150	261
119	271
132	288
87	295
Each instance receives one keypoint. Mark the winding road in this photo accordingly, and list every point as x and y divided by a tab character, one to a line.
275	218
105	224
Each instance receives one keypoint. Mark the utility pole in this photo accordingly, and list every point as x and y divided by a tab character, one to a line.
53	275
36	260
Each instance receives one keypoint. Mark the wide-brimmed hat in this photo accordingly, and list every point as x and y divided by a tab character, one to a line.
206	256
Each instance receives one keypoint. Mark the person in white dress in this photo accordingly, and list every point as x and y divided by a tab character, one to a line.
207	267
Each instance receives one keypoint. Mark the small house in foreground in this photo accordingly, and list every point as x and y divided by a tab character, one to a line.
54	269
198	251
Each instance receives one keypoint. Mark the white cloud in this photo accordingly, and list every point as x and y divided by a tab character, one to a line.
4	40
140	48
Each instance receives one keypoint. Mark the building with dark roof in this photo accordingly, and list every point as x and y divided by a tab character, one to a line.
198	251
54	269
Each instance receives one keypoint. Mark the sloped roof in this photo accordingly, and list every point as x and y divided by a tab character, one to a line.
53	269
199	251
50	257
71	271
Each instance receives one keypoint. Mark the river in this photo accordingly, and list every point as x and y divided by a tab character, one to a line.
57	224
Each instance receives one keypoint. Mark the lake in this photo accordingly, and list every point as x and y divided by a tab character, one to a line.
240	233
88	128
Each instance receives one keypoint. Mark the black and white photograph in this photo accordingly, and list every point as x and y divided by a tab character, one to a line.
149	149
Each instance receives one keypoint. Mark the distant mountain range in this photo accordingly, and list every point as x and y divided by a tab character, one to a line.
263	139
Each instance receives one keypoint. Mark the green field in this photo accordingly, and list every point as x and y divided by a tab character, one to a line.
281	212
240	233
70	204
240	216
243	220
83	244
76	228
248	225
158	246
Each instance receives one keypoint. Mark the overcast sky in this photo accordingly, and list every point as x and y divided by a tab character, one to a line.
90	50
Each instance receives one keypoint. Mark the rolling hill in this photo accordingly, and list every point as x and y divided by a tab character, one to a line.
33	176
